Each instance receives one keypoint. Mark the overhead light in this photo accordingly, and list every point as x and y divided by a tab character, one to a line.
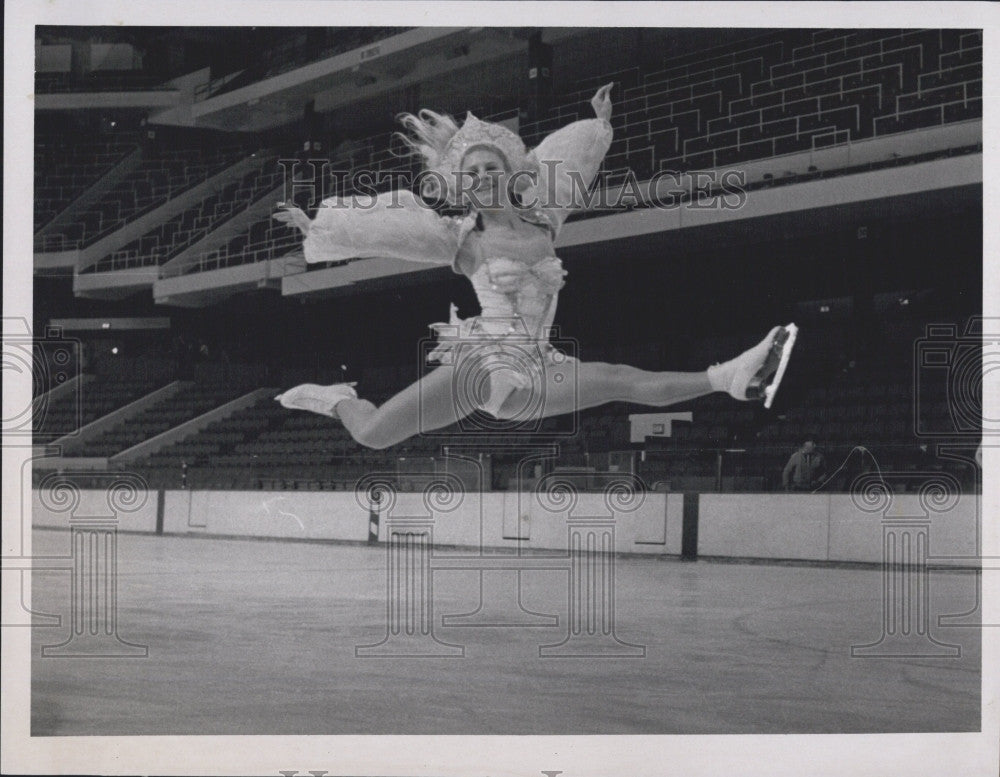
824	308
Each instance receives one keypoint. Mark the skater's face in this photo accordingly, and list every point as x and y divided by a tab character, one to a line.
484	179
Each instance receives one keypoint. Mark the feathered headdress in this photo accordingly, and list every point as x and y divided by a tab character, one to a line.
443	146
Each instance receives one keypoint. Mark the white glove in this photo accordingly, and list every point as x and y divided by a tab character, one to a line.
602	102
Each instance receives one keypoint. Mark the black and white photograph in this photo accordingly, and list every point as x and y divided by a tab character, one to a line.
500	388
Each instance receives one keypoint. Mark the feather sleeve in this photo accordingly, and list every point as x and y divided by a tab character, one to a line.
393	225
568	160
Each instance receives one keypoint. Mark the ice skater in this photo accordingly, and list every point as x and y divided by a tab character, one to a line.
500	362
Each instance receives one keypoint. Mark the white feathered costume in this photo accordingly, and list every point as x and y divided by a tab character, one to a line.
518	299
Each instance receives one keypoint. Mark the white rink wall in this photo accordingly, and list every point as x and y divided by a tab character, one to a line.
831	527
493	519
822	527
56	509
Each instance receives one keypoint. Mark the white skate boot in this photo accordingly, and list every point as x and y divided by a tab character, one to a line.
317	399
757	373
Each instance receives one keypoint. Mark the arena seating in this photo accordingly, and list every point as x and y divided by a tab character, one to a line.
163	173
784	93
208	456
193	399
65	167
771	98
264	239
170	238
869	404
99	394
267	239
843	406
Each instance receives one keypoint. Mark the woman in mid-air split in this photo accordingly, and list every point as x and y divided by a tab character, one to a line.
500	362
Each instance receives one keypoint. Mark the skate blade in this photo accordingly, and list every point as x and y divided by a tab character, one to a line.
791	333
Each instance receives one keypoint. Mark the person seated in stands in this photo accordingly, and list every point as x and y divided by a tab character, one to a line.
805	468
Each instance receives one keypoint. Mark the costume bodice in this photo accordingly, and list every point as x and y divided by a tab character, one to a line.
518	302
515	277
517	298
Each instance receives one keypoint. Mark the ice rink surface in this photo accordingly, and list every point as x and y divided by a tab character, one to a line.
260	637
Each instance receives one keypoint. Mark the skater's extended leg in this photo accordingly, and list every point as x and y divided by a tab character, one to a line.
426	405
430	403
753	374
572	387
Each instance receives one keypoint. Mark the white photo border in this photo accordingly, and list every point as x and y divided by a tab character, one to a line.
573	756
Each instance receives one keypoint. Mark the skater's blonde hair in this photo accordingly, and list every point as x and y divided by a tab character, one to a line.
442	146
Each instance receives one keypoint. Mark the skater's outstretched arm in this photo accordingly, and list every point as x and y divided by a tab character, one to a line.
569	159
393	225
